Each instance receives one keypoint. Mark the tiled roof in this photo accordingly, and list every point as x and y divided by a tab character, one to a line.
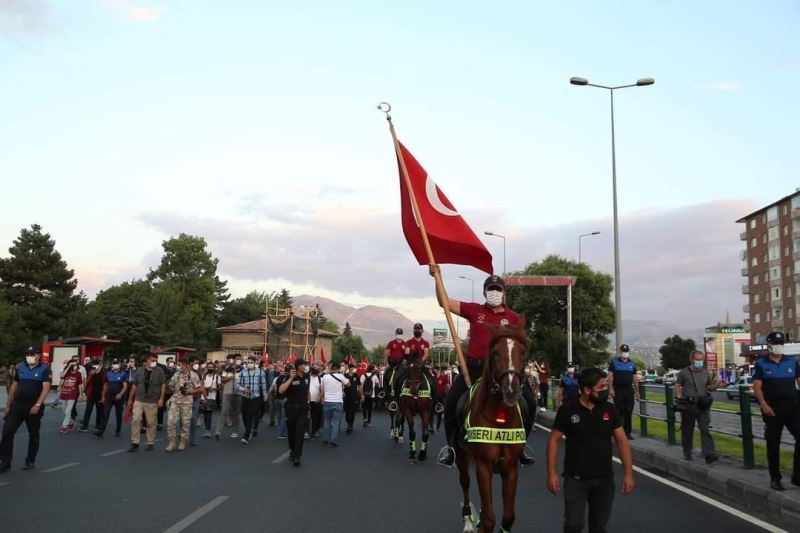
258	326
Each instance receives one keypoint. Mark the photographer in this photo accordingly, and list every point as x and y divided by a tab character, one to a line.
693	388
184	385
295	389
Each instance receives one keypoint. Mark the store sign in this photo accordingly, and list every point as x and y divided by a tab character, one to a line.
733	330
540	281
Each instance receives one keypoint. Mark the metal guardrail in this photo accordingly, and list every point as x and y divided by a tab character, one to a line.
745	414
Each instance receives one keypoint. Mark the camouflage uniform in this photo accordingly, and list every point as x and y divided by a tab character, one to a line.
180	405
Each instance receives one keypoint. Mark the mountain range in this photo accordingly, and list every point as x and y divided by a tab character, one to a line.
376	324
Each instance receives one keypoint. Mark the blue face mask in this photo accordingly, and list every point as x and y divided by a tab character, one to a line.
698	364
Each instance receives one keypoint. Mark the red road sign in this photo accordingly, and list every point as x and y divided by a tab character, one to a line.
540	281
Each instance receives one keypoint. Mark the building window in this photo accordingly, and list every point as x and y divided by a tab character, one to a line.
790	313
753	242
763	219
756	298
774	253
754	262
757	318
786	251
764	239
787	271
775	273
766	296
796	245
795	202
753	222
767	316
772	213
776	293
766	276
777	313
784	209
786	230
789	291
773	233
754	279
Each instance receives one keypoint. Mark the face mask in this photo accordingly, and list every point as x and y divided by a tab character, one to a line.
195	367
398	337
251	366
698	364
114	367
305	368
171	365
209	369
777	349
601	397
314	371
625	355
96	367
153	364
494	298
31	359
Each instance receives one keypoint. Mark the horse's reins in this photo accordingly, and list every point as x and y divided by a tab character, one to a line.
496	388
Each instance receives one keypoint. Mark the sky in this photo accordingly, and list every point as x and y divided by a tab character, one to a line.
253	124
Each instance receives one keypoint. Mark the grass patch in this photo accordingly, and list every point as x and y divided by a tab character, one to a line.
725	444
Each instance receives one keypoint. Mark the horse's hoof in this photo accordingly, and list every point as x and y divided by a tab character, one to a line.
412	456
468	526
423	456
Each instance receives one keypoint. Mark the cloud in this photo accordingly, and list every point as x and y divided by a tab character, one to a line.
24	17
723	86
679	265
145	14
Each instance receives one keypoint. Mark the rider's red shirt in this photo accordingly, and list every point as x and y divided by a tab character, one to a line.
417	345
397	350
478	316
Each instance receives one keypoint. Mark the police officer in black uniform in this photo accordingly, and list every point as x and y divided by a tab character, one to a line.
25	404
295	388
774	387
624	386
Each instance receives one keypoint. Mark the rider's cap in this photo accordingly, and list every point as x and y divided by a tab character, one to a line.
418	327
398	331
494	281
624	348
775	337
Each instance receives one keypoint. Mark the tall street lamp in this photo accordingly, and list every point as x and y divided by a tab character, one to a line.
579	243
491	234
643	82
472	281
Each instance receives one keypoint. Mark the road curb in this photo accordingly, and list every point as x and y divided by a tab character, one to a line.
726	478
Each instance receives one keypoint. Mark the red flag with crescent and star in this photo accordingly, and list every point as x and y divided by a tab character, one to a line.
452	240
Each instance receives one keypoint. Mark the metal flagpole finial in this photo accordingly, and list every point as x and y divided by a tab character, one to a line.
385	107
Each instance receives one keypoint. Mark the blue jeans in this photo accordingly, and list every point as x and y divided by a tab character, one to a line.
280	414
333	417
193	423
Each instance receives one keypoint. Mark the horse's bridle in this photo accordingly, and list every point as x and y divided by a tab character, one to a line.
497	379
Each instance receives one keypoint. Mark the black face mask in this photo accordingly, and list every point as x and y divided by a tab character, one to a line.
601	398
418	334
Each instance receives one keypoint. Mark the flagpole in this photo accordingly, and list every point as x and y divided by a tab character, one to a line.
441	292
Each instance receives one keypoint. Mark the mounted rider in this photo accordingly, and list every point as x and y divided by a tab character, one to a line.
395	354
416	348
493	312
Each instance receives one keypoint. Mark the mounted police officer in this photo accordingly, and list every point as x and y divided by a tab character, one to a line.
774	387
395	355
496	313
624	386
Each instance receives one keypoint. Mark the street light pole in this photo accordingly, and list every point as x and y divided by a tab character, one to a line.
472	281
643	82
492	234
579	243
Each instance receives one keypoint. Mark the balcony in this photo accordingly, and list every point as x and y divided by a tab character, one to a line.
775	282
746	309
745	271
772	223
745	289
743	236
795	232
743	255
796	212
777	323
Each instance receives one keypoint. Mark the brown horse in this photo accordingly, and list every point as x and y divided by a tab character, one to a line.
415	398
493	434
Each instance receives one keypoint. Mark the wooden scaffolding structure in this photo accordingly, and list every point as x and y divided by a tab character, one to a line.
302	327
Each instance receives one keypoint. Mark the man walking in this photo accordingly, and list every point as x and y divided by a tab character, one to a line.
369	384
116	384
95	383
25	403
588	425
774	387
333	384
351	397
315	400
252	386
147	396
231	401
295	389
185	384
693	388
624	386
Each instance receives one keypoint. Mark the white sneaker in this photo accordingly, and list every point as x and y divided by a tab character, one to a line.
542	410
234	435
400	439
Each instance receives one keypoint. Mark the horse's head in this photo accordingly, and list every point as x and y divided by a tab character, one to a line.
504	371
414	374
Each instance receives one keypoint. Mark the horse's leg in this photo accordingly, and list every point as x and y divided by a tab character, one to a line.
509	474
412	435
426	419
462	462
484	472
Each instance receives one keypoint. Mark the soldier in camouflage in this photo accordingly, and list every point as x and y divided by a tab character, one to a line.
184	384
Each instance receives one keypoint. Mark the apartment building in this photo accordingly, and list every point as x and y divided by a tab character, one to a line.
771	267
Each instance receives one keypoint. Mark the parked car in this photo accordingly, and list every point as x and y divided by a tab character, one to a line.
732	390
650	376
669	377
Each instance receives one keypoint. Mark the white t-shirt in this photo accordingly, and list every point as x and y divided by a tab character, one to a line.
333	387
210	382
313	389
375	383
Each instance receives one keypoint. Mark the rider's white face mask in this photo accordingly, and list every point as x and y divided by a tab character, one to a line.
494	298
777	349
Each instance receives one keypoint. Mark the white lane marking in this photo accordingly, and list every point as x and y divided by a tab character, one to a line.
62	467
197	515
510	343
702	497
281	457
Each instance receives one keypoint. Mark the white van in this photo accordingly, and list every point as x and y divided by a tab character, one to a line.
670	377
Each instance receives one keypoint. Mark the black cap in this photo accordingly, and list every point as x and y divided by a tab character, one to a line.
624	348
398	331
494	281
418	326
300	362
775	337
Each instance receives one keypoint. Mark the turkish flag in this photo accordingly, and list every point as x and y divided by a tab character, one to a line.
452	240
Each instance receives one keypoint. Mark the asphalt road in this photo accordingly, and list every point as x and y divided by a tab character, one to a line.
86	484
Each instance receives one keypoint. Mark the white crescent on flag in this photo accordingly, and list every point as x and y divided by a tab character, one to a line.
433	198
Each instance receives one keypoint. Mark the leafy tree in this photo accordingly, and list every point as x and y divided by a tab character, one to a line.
640	363
675	352
377	354
348	345
186	292
246	309
36	280
545	310
13	340
126	312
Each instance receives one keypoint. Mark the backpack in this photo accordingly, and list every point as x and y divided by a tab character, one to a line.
368	385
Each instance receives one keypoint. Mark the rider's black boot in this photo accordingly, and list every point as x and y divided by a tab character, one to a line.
526	458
